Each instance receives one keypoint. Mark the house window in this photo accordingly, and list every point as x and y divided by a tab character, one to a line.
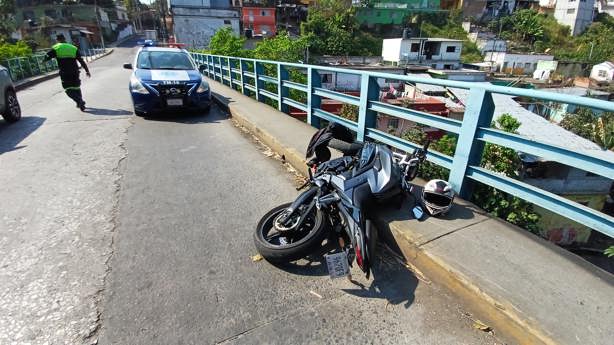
393	123
377	14
447	66
434	66
602	73
226	22
264	13
414	47
527	65
450	49
571	11
327	78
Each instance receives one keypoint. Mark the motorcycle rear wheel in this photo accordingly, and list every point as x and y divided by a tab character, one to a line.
284	247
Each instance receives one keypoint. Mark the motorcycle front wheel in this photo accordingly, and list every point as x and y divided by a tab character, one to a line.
286	245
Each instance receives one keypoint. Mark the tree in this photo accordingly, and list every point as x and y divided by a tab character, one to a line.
7	26
281	48
597	128
331	29
451	28
225	42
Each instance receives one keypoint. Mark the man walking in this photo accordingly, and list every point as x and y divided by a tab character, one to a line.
67	56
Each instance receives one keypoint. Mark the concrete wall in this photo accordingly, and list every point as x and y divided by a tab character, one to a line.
514	63
196	26
391	49
602	72
574	13
486	45
351	82
352	60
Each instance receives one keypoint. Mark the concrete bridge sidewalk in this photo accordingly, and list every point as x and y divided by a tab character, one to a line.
526	287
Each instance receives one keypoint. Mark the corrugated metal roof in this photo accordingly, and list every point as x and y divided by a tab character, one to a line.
576	91
537	128
427	87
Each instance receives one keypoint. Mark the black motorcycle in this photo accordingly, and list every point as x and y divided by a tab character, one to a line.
341	195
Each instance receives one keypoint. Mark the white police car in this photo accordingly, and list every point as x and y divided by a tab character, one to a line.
167	79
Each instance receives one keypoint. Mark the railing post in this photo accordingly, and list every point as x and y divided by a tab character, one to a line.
258	84
282	92
313	101
479	113
230	64
243	67
210	67
369	91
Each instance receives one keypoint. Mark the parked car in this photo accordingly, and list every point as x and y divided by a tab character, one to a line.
167	79
9	105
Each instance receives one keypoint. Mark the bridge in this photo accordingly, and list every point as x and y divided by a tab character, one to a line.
118	229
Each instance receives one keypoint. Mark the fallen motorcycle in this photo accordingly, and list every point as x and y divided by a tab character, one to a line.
340	195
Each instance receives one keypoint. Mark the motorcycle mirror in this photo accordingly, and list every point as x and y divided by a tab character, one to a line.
418	212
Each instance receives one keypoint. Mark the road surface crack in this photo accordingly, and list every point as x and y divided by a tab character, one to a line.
92	336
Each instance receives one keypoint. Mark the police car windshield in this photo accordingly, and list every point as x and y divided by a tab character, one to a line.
164	60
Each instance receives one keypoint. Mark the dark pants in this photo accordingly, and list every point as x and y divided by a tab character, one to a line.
72	86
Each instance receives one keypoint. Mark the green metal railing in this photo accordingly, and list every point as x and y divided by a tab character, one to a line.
31	66
248	75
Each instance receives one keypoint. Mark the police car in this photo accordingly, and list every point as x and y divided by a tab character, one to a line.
167	78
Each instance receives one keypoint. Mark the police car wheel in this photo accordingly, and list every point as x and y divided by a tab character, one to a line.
139	113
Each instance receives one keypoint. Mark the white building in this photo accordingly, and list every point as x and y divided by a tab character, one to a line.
438	53
605	6
577	14
603	71
196	21
513	63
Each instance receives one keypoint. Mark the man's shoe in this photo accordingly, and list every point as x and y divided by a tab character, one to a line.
82	106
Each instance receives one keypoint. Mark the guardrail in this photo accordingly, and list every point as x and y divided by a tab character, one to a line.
473	132
33	65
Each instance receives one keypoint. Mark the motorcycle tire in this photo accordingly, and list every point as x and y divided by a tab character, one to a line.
285	253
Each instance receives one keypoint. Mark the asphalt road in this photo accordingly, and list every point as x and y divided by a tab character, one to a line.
117	229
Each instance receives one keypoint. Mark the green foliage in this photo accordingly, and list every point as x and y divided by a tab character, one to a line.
225	42
531	31
496	158
432	26
281	48
349	111
7	24
19	49
597	128
609	252
331	29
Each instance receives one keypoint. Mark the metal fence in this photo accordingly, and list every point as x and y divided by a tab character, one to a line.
33	65
473	132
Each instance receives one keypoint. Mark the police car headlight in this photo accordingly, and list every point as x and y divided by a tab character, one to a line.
203	87
137	86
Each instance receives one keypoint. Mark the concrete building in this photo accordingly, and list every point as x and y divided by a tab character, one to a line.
605	6
603	71
259	21
393	12
438	53
576	14
513	63
196	21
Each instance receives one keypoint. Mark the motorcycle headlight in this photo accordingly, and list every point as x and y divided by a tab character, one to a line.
203	87
137	86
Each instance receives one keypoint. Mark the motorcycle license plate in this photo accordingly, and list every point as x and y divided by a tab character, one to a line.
174	102
337	265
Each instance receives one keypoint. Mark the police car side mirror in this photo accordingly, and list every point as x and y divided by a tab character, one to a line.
128	66
202	68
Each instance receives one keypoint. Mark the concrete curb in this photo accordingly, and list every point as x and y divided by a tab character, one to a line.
23	84
499	313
